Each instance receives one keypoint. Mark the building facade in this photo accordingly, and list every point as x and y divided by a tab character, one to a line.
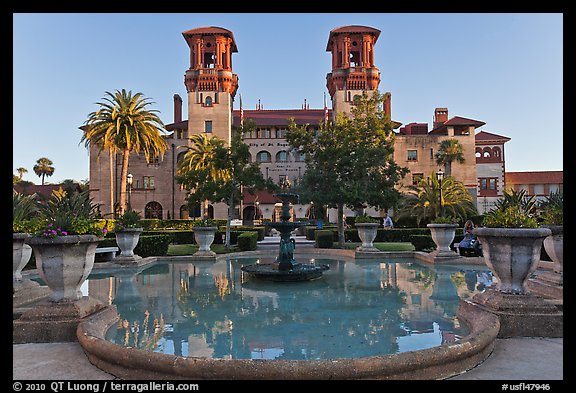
211	88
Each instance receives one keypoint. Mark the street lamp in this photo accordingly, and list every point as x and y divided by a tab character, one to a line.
129	178
440	177
257	213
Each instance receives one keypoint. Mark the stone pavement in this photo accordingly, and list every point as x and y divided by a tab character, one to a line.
524	358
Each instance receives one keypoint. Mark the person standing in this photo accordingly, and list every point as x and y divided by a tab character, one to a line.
388	224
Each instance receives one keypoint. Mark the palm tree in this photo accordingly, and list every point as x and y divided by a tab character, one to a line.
202	157
43	168
21	171
423	200
124	124
450	150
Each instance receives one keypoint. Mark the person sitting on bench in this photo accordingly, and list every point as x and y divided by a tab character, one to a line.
469	243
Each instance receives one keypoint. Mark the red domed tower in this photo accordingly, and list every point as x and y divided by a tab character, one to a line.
209	81
353	69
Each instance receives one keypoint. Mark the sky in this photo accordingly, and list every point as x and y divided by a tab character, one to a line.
504	69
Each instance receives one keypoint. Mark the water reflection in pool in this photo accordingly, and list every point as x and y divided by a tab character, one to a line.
358	308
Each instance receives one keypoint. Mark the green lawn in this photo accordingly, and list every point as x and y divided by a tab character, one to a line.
189	249
396	246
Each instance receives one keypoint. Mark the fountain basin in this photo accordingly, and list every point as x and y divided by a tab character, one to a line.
433	363
299	272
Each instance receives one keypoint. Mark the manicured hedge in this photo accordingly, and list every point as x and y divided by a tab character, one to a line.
247	241
148	245
324	238
422	242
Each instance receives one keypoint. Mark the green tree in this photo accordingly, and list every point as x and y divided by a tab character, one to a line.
450	150
222	175
201	158
125	124
350	162
21	171
423	200
43	168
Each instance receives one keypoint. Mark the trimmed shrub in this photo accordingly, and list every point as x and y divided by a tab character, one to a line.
422	242
324	238
247	241
155	245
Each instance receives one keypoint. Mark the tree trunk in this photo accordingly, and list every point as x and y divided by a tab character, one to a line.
448	168
112	183
124	180
230	210
341	238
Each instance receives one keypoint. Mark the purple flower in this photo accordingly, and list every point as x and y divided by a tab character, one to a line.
65	233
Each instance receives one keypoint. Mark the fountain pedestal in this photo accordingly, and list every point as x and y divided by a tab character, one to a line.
285	268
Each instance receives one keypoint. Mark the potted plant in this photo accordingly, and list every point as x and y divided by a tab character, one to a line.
24	208
511	242
127	229
443	230
552	217
204	232
367	230
65	245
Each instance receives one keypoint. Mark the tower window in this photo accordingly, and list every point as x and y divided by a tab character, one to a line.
148	181
208	101
208	126
412	155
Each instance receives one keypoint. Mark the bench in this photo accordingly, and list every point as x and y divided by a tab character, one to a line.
466	251
104	254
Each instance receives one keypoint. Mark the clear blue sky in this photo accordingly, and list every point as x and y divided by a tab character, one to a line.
503	69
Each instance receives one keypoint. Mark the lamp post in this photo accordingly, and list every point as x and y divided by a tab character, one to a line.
129	178
257	212
440	177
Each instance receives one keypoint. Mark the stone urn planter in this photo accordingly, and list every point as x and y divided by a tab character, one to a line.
204	237
21	253
64	263
127	240
512	254
443	234
367	232
554	246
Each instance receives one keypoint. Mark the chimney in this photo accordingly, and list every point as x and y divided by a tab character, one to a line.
387	104
177	108
440	117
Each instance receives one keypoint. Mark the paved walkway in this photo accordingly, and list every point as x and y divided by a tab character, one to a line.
512	359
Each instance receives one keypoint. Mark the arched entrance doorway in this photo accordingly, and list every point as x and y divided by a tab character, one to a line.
153	210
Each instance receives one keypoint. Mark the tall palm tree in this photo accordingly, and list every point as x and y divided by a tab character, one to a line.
43	168
21	171
124	124
450	150
202	157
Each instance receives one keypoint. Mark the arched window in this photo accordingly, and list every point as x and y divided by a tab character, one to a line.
153	210
478	152
496	152
263	156
208	101
487	153
282	156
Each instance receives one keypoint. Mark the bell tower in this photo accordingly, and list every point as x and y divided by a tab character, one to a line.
210	83
353	70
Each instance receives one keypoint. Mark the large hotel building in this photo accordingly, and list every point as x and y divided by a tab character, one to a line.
211	88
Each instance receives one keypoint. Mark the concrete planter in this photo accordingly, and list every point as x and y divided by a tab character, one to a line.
204	237
21	254
443	234
554	246
512	254
367	232
127	240
64	263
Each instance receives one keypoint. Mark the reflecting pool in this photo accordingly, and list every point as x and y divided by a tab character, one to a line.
358	308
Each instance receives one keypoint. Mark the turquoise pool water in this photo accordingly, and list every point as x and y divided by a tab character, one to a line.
358	308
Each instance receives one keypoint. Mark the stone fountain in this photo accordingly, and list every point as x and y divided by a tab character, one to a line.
285	268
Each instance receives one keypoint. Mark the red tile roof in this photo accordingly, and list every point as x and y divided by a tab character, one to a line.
209	30
351	30
260	196
538	177
45	189
486	137
456	121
